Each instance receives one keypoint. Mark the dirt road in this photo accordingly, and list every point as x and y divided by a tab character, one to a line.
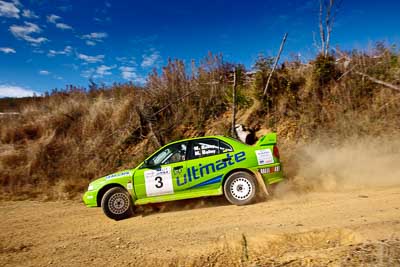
353	227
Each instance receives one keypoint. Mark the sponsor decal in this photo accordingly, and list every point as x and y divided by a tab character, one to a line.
195	173
117	175
269	170
264	156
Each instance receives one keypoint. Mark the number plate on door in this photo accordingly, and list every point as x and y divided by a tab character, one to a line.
159	182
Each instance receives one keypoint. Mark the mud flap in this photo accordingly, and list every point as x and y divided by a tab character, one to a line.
263	193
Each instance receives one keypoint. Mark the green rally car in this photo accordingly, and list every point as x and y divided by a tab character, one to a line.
190	168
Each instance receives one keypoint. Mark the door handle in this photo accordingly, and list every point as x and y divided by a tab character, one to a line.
178	168
225	159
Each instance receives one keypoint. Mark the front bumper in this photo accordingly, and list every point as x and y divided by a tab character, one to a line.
90	198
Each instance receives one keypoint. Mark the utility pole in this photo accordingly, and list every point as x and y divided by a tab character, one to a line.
275	63
233	131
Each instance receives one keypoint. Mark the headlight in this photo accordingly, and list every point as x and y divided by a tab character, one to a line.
90	188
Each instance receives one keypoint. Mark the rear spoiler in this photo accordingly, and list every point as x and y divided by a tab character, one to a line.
268	139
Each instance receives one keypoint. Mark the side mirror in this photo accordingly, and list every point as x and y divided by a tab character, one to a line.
149	164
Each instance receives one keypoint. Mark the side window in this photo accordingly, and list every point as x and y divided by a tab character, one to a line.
224	147
204	148
208	147
170	154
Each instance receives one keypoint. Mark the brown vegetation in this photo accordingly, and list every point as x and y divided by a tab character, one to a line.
60	143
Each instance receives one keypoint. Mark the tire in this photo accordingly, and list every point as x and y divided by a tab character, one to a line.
241	188
117	204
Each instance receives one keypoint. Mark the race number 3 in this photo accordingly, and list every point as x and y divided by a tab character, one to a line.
158	182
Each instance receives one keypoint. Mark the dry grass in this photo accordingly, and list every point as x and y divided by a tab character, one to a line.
336	247
60	143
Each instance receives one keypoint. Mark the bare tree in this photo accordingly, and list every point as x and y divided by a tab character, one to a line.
328	10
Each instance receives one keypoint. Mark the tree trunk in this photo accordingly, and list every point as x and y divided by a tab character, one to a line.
389	85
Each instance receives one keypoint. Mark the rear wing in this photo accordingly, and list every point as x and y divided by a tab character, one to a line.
266	140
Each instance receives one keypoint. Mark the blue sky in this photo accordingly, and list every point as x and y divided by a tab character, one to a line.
46	44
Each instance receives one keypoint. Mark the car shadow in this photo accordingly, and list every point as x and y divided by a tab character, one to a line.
181	205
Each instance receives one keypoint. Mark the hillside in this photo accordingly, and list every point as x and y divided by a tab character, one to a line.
58	144
16	104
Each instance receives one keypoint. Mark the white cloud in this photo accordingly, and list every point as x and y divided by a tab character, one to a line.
94	37
126	60
104	70
90	43
44	72
15	91
24	33
53	18
150	60
26	13
9	10
91	59
121	59
63	26
7	50
98	72
67	51
102	20
129	74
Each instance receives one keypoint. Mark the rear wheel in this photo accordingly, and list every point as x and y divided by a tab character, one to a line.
117	204
240	188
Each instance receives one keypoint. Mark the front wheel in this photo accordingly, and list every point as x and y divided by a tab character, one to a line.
117	204
240	188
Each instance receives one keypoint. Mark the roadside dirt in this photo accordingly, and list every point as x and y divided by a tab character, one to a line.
343	228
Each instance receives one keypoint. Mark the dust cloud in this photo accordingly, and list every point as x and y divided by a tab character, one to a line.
358	163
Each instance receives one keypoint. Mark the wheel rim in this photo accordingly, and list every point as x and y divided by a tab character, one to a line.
118	203
241	188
